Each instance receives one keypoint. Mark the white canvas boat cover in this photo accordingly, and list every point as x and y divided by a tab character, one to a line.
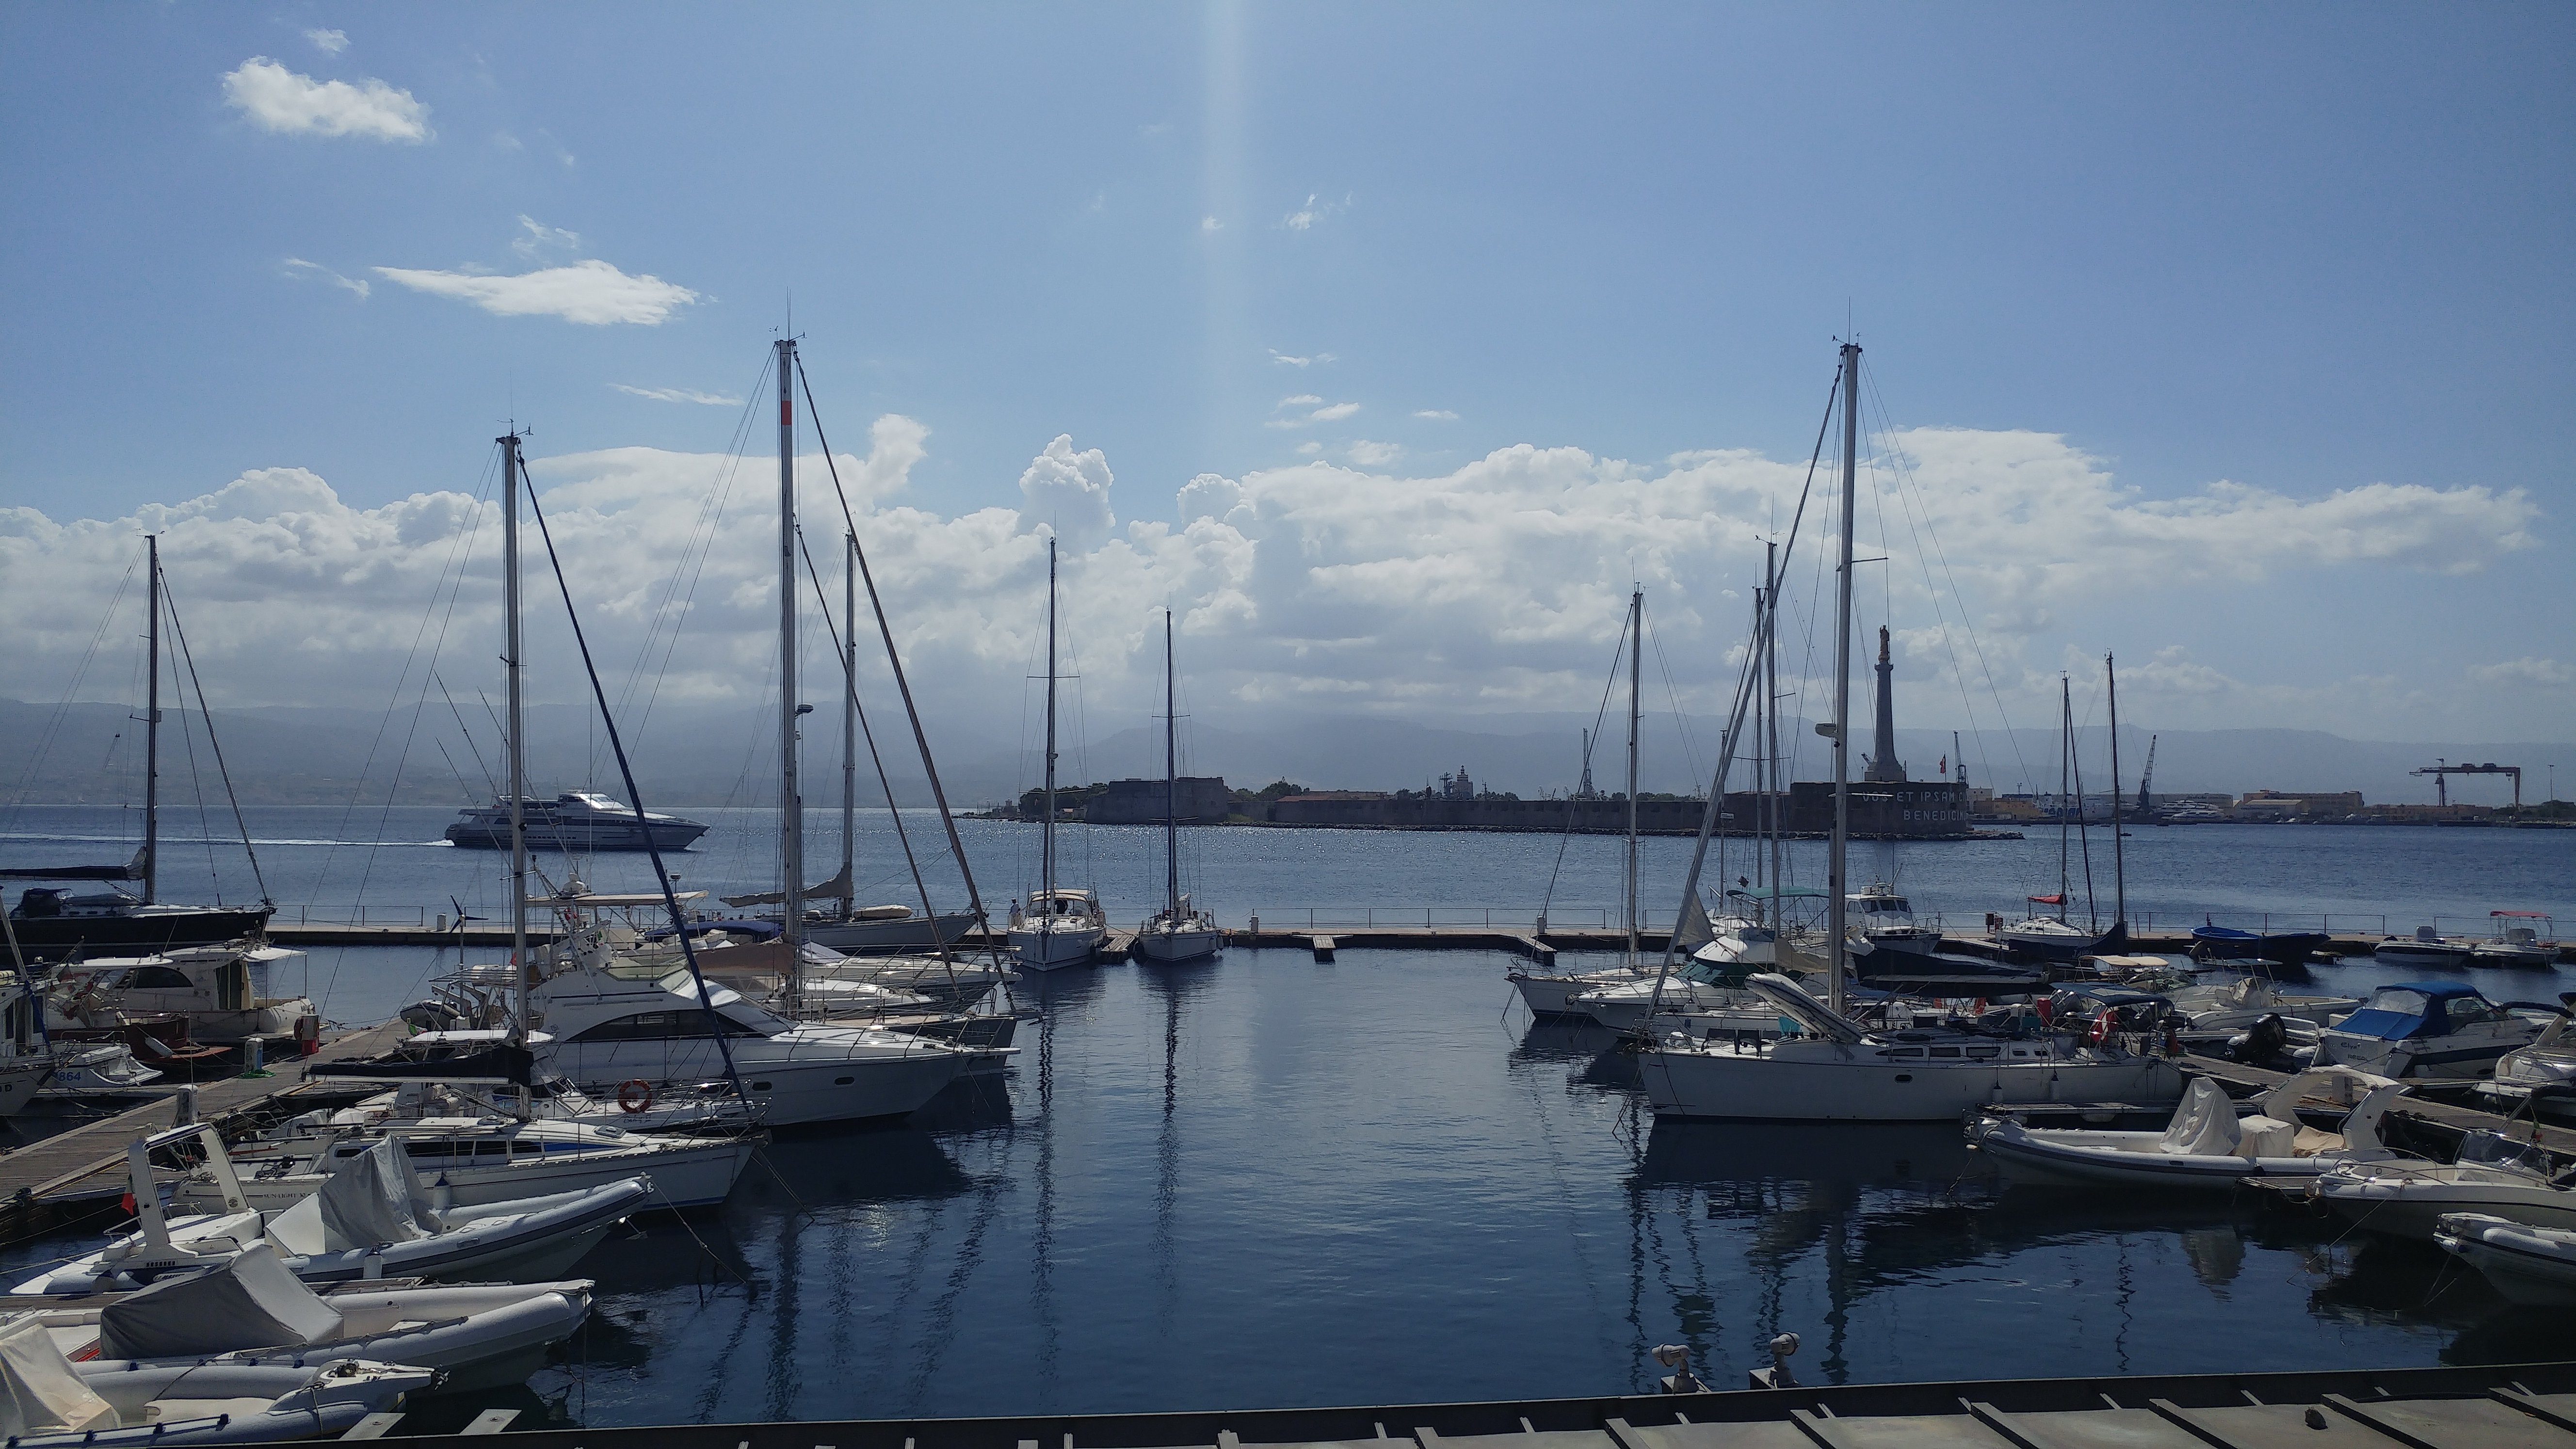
39	1391
2204	1125
368	1203
250	1302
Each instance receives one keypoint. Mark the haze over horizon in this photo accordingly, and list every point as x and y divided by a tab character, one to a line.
1390	348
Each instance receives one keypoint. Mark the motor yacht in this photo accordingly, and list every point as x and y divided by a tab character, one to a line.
2427	947
2495	1174
575	821
2431	1029
619	1010
213	987
2522	938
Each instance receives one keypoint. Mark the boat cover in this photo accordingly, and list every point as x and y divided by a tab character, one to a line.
40	1392
368	1202
250	1302
2204	1125
2397	1021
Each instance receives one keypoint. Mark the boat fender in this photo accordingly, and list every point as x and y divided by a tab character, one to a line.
635	1095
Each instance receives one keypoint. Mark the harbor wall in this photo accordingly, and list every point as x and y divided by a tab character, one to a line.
1920	810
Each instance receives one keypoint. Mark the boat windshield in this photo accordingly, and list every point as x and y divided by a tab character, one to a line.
2398	1001
2497	1151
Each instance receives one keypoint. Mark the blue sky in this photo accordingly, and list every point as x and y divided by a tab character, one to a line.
2299	249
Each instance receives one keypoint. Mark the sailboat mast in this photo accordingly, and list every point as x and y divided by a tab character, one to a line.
1171	784
152	721
1046	836
850	725
791	796
2065	752
1834	882
522	969
1770	786
1636	652
2119	863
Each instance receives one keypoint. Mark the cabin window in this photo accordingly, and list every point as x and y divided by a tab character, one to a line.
1945	1051
158	978
1984	1053
660	1026
2466	1009
1907	1052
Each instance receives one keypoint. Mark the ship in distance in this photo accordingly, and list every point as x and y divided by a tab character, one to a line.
576	820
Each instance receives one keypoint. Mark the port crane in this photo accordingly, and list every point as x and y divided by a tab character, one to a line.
2442	770
2146	803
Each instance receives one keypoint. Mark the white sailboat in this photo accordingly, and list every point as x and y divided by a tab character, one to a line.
1550	993
1179	931
1060	925
1833	1069
629	1015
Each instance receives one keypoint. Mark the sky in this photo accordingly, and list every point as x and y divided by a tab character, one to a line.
1390	346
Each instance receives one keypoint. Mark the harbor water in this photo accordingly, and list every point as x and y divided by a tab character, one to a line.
1271	1181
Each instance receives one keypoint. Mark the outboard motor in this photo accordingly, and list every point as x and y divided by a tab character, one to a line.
2260	1043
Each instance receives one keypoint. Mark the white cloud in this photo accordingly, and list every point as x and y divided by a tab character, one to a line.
1301	400
1305	217
1309	448
1285	360
298	267
278	99
592	293
1365	454
1437	415
329	42
679	395
2527	672
1494	585
1333	412
534	236
1210	224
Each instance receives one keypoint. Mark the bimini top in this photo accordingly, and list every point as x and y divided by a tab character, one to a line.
2412	1009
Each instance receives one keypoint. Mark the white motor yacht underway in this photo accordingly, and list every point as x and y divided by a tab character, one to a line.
620	1011
1837	1071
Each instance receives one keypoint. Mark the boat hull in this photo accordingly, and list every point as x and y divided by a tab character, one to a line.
151	932
2421	953
2403	1205
1181	945
1554	995
2070	1160
698	1174
2524	1265
583	837
911	931
1054	949
817	1083
1723	1084
19	1079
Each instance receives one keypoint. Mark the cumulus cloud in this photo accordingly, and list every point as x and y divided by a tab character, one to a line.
329	42
1495	585
280	100
679	395
1365	454
592	293
298	267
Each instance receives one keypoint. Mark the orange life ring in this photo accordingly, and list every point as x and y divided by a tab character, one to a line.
634	1096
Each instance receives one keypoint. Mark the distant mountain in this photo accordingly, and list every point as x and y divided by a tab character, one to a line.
696	755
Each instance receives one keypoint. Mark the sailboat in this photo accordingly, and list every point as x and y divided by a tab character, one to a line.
1555	993
2053	938
1060	925
1834	1069
50	922
1179	931
609	1010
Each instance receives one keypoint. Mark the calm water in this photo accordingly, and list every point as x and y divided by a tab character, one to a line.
1267	1181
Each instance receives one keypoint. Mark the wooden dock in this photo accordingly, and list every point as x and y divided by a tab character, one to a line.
46	1180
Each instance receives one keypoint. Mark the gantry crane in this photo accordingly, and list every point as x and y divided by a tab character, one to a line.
2442	770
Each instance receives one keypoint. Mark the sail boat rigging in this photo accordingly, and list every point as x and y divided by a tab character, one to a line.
52	922
1062	925
1834	1068
1178	932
